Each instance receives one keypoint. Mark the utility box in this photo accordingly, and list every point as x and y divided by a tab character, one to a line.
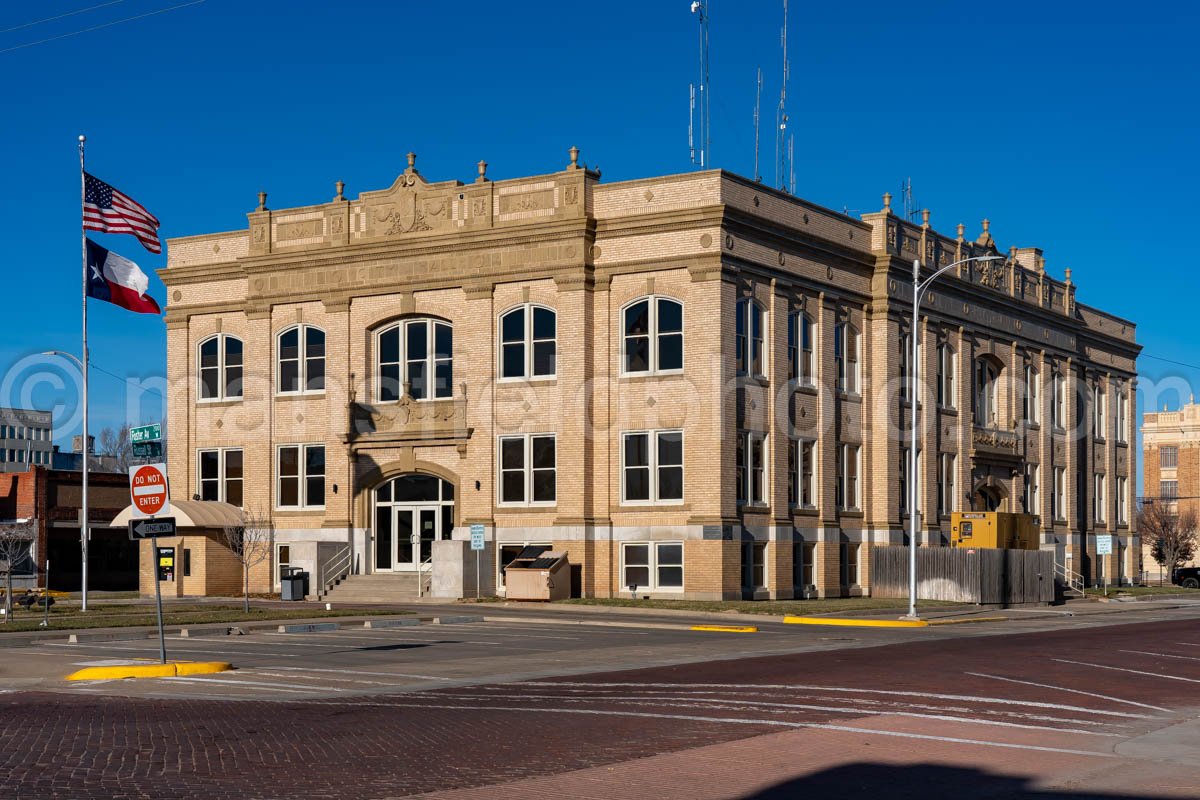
994	529
546	576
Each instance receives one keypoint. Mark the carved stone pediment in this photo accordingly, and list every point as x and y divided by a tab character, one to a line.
409	420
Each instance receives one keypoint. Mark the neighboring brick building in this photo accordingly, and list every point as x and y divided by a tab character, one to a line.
1171	465
689	383
25	438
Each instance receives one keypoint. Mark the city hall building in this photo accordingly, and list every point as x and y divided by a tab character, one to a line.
690	384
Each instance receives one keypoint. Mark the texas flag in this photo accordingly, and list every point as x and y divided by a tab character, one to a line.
118	280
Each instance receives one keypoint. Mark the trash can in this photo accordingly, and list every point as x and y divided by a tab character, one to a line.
293	584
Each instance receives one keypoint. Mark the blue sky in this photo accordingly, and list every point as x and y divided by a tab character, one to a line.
1072	126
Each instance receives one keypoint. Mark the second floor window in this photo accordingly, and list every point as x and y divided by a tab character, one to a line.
987	380
1168	457
652	336
1032	475
220	475
1122	508
301	360
1058	498
751	469
1030	408
1098	483
528	343
945	478
1058	403
945	377
846	357
528	469
221	363
1168	490
1099	418
846	489
301	476
749	326
801	363
1122	413
652	467
417	354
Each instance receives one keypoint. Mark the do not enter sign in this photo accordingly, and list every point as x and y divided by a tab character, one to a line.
148	489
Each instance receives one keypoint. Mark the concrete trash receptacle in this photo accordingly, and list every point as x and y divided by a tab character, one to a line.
544	577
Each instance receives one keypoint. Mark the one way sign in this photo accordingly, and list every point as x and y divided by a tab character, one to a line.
149	528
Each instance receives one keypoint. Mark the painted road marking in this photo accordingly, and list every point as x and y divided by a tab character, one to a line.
841	689
174	648
1123	669
1160	655
1072	691
360	672
254	684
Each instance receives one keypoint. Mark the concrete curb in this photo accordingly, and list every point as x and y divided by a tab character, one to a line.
603	623
857	623
966	620
457	620
108	636
402	622
171	670
311	627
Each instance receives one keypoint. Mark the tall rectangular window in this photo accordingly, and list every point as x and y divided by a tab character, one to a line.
652	467
804	557
946	497
1122	500
1058	403
1122	414
220	475
1098	499
945	377
300	476
528	469
749	333
850	553
1032	478
1168	490
1030	408
845	358
905	393
1099	419
1168	457
846	488
752	470
1058	498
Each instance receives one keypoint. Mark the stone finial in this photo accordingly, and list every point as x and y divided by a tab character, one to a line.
574	152
1012	254
340	186
482	165
412	162
987	227
262	201
1068	273
887	201
961	230
925	217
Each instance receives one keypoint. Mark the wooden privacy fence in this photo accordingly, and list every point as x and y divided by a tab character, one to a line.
980	575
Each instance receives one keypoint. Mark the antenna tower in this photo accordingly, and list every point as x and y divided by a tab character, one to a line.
757	104
700	153
910	205
781	117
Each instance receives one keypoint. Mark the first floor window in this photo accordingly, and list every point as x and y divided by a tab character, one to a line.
946	500
906	479
1032	478
850	556
220	475
801	484
754	555
1122	495
804	560
1122	413
1098	498
528	469
1058	505
945	377
652	566
846	488
751	469
301	476
652	467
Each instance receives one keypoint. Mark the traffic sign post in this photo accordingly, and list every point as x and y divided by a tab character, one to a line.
1104	547
148	489
477	546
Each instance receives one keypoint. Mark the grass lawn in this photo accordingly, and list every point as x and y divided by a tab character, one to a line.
832	605
1141	591
121	616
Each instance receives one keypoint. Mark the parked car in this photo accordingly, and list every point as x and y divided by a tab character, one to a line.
1187	577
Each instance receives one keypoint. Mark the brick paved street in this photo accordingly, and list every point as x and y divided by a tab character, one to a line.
1010	710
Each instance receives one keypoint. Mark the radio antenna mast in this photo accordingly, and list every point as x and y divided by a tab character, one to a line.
757	104
781	118
701	155
910	205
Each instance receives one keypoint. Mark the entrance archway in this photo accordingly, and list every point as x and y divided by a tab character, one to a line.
411	513
988	495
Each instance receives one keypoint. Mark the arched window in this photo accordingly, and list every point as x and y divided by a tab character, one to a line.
749	324
652	336
987	382
221	362
800	349
846	357
301	360
528	343
417	355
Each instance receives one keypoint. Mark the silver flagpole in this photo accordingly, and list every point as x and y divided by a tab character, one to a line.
84	532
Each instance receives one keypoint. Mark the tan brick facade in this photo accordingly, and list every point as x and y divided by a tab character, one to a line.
1174	476
466	254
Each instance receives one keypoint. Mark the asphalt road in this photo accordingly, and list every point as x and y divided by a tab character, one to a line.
1053	708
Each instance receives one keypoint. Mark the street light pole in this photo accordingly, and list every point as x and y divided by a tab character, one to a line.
84	518
914	522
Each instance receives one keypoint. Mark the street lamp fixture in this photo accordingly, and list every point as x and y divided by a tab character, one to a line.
84	531
914	516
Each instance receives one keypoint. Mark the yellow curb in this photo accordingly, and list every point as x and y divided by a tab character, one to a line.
967	621
857	623
149	670
726	628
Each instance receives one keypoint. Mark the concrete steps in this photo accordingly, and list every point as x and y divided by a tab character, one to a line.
381	587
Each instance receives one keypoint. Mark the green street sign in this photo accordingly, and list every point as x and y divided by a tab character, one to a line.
146	433
147	449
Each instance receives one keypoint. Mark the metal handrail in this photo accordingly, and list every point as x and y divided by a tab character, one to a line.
334	569
420	579
1069	576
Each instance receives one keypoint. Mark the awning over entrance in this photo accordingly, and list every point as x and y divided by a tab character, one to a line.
191	514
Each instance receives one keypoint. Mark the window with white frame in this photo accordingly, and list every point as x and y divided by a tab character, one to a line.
850	554
1168	457
1098	499
528	469
221	364
652	336
1122	413
417	354
1033	475
987	381
220	472
1168	490
754	565
906	479
749	330
1122	500
528	343
846	485
905	366
1099	406
804	562
652	566
801	360
751	468
1058	498
945	377
947	500
1058	402
652	467
1031	410
301	360
846	351
300	476
802	489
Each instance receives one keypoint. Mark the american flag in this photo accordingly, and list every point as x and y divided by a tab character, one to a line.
107	210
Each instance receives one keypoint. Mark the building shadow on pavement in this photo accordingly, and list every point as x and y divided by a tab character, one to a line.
867	781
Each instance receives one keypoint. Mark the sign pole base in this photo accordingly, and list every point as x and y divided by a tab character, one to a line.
162	639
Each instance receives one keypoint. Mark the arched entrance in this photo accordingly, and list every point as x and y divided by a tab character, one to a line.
411	513
988	496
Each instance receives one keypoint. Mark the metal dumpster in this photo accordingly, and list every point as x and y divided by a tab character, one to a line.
546	576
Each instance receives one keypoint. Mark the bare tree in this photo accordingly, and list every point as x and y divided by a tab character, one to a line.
250	542
116	445
1170	534
16	547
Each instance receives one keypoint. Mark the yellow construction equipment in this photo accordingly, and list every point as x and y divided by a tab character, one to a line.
994	529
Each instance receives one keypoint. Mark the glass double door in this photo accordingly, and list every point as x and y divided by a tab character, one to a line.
404	536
